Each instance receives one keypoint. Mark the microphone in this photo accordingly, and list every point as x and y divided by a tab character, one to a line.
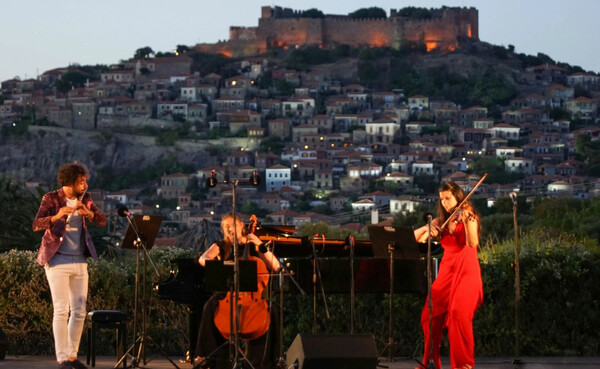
427	217
211	181
265	246
123	211
513	197
254	179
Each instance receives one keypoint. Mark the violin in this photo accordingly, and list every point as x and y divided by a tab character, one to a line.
463	206
254	318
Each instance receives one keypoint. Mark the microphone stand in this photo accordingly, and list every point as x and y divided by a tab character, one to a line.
352	297
234	349
516	360
317	279
236	283
430	363
281	363
390	344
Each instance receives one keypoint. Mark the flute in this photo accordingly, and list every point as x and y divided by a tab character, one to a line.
70	215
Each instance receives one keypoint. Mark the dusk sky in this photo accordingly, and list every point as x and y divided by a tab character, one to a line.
40	35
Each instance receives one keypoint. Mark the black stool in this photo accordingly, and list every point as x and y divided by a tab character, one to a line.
106	319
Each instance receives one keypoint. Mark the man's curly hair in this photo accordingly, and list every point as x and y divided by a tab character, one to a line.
68	173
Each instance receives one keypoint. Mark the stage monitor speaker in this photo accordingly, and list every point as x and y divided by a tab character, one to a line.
326	351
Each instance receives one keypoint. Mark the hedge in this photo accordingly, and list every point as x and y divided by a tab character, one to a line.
559	310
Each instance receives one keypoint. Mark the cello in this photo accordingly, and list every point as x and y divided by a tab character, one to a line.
254	317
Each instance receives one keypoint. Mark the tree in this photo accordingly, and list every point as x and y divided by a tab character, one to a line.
589	152
494	169
310	229
19	207
559	113
271	144
182	49
206	63
143	53
426	182
414	12
284	87
323	209
369	13
313	13
251	207
70	80
162	54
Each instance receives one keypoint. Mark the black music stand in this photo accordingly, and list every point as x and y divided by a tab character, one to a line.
393	243
140	236
145	227
219	277
403	239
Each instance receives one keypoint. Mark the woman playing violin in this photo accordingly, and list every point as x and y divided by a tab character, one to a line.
457	291
261	352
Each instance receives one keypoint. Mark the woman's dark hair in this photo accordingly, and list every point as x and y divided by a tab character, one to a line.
68	173
458	194
227	245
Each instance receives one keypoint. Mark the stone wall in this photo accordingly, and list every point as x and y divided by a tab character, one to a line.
275	32
279	27
364	32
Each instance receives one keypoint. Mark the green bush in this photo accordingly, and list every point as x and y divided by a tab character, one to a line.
27	308
559	309
559	297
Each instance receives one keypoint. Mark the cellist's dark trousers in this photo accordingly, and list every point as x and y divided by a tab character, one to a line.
262	352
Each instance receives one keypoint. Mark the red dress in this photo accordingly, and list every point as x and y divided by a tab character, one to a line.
456	294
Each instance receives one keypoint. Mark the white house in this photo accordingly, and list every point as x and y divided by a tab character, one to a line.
276	177
403	204
519	165
422	167
399	178
507	131
362	206
381	131
559	186
508	152
397	165
167	108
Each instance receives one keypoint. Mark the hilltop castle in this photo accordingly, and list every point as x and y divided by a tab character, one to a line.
284	27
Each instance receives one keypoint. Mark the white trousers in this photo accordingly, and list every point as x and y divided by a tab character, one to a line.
69	289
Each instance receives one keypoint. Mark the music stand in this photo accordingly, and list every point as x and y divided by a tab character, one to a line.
219	277
146	226
392	242
140	236
402	238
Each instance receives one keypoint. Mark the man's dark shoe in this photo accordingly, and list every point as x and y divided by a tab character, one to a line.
77	364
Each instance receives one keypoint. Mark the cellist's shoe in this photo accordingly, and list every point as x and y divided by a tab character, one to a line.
200	363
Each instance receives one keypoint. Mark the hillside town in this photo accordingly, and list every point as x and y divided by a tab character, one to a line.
363	155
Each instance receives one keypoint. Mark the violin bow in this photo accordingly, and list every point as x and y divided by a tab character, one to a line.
462	202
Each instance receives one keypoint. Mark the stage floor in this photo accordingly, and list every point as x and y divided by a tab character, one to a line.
105	362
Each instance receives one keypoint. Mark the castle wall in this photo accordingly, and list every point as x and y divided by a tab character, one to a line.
442	33
372	32
233	48
242	33
281	27
290	31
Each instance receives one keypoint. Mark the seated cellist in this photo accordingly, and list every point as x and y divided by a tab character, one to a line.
263	351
